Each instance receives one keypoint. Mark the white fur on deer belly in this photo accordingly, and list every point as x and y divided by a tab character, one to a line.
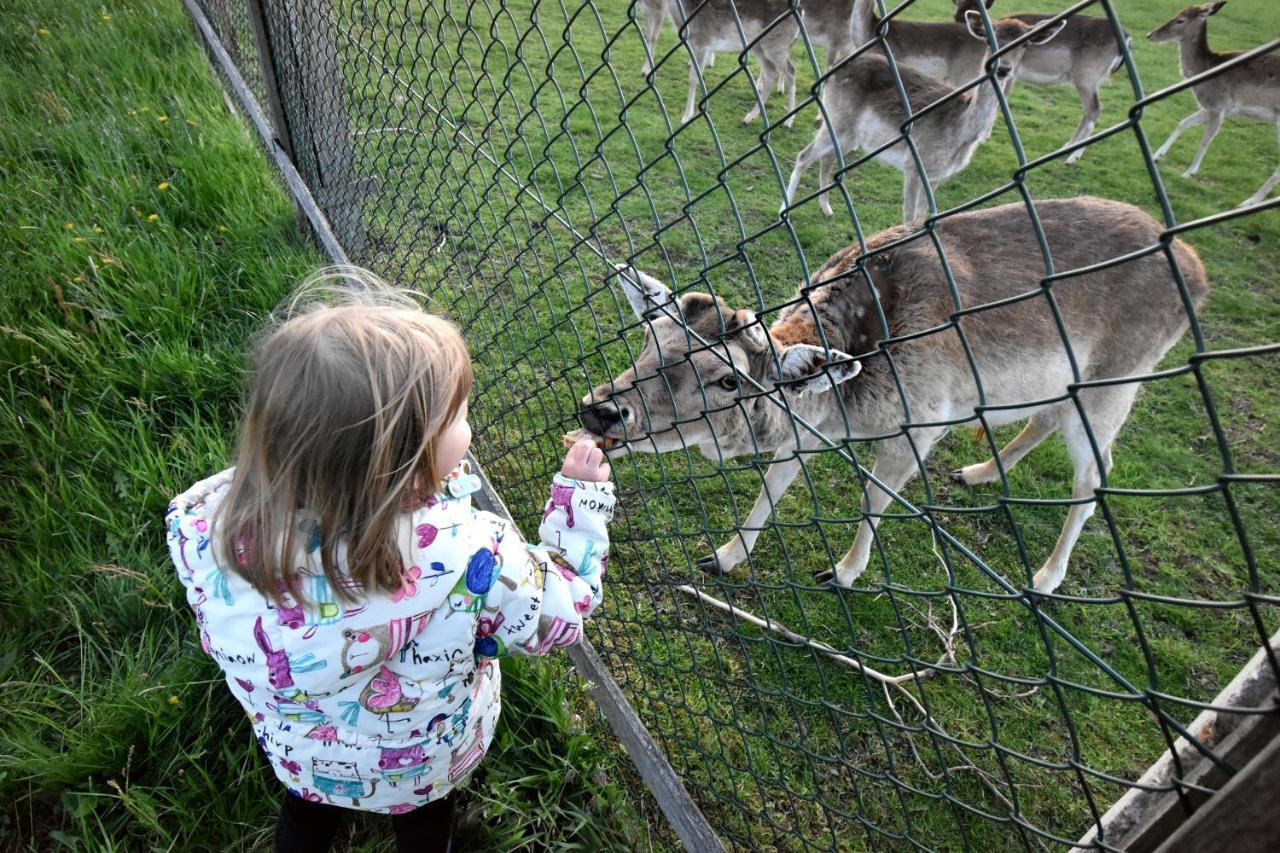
874	132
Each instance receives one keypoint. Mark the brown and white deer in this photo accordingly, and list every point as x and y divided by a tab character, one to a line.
1251	90
1085	54
865	112
829	352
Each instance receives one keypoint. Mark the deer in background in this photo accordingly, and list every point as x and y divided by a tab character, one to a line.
1251	90
1085	54
865	111
711	26
1119	321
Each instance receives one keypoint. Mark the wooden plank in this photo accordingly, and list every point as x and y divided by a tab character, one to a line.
293	181
1243	817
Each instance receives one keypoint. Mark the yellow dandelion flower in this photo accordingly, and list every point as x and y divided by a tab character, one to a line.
162	118
155	217
44	31
106	17
222	228
144	109
174	700
77	239
163	185
79	279
133	112
70	226
192	122
97	229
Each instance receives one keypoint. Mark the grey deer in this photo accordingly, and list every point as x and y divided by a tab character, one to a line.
1085	54
1120	322
827	25
865	112
712	26
1251	90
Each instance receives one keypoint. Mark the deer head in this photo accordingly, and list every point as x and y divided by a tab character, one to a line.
681	392
1185	22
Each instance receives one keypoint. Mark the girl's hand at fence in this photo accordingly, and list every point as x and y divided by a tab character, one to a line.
585	461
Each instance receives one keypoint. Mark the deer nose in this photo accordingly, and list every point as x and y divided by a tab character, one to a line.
597	418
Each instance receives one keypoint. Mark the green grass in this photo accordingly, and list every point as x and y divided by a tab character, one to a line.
784	749
145	237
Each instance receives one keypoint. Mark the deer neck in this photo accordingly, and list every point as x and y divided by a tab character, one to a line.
1194	51
864	21
981	114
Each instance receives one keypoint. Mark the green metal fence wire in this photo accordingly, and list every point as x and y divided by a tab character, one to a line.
503	155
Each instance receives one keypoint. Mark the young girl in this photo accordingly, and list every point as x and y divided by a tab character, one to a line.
351	594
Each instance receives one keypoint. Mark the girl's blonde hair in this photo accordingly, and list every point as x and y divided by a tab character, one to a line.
351	383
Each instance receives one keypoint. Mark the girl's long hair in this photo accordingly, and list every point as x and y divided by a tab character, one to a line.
351	383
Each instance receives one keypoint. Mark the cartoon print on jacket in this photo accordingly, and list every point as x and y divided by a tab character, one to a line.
341	779
278	673
561	498
388	694
363	648
400	763
381	703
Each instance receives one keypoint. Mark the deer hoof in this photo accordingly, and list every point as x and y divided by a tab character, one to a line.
827	576
1075	156
710	564
957	476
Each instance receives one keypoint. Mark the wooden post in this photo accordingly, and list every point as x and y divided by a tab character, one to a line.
304	87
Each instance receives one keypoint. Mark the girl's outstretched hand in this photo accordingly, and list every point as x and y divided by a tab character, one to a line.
585	461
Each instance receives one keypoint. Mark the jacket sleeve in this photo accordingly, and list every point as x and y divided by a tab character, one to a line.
545	591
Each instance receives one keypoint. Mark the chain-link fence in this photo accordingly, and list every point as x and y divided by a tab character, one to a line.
985	668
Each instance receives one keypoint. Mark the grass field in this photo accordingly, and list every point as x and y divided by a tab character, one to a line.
517	150
145	237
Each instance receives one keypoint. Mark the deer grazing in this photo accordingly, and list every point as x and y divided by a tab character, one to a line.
1251	90
1119	321
1085	54
865	111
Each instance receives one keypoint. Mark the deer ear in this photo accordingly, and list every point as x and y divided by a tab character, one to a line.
1047	35
1213	9
746	327
809	368
973	21
645	293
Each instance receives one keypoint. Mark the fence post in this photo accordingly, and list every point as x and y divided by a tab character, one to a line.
304	86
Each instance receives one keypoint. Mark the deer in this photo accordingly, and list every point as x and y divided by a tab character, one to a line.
1085	54
769	26
1251	90
709	375
865	112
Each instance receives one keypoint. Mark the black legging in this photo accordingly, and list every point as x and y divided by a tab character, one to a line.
307	827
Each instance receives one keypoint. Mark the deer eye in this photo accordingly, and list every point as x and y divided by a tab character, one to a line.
728	383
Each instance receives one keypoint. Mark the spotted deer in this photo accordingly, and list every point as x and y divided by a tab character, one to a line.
1251	90
829	353
1085	54
865	112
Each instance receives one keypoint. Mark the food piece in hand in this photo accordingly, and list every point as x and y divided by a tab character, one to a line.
601	441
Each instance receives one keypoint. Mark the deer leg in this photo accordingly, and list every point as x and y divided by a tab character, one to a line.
1106	410
1198	117
1267	187
1092	109
1211	128
1041	426
652	29
764	86
914	203
820	147
824	178
895	465
789	70
696	62
780	474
